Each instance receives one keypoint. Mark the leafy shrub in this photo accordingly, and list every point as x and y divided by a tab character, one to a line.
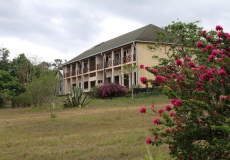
77	98
196	125
110	90
22	100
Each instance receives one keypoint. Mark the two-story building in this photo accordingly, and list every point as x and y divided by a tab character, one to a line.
104	62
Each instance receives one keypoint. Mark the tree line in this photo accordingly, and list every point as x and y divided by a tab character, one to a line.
25	82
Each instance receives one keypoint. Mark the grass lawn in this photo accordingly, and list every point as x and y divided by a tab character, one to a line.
107	129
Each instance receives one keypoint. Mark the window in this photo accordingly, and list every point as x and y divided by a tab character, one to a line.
85	85
116	79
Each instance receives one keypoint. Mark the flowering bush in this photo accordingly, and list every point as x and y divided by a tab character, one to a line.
110	90
199	89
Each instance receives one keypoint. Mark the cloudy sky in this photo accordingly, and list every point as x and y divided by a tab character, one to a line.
63	29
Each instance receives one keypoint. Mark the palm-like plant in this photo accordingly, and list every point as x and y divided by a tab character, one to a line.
77	98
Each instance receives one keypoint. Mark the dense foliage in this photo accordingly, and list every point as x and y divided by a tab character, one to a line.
110	90
196	125
25	82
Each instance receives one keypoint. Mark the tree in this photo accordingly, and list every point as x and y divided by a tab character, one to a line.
4	62
22	69
129	70
178	40
9	87
43	90
57	64
197	123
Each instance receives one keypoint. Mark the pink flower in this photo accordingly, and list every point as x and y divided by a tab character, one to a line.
211	58
173	75
156	137
209	46
178	62
219	28
143	110
153	106
146	67
160	79
212	79
176	102
142	66
199	44
160	111
154	70
222	81
171	114
168	108
219	34
202	32
143	80
148	140
192	64
204	50
173	130
156	121
222	72
215	112
167	130
208	37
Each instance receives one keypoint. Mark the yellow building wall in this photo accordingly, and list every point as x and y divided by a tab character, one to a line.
144	56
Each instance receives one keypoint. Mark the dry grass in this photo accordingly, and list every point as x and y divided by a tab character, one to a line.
108	129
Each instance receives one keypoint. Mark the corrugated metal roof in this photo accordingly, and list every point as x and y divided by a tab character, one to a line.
146	33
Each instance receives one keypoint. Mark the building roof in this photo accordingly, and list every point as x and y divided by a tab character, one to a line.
145	34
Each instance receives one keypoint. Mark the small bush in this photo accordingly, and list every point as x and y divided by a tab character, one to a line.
111	90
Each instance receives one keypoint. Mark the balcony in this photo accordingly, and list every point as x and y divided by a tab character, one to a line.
99	66
79	71
73	73
127	59
85	70
92	68
108	64
116	62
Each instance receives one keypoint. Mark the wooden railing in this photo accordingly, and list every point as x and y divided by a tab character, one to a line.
73	73
127	59
108	64
116	62
79	71
92	68
99	66
85	70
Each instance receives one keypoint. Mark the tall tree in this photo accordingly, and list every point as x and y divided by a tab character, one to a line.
9	86
4	61
22	69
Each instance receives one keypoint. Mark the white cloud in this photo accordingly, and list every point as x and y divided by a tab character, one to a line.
17	46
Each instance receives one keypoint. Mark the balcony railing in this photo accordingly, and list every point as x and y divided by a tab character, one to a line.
99	66
85	70
73	73
116	62
108	64
127	59
92	68
79	71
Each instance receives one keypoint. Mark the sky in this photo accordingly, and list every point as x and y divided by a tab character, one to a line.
62	29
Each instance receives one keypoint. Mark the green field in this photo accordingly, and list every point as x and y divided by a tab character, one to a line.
107	129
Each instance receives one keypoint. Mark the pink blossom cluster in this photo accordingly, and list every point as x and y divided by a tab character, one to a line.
143	80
